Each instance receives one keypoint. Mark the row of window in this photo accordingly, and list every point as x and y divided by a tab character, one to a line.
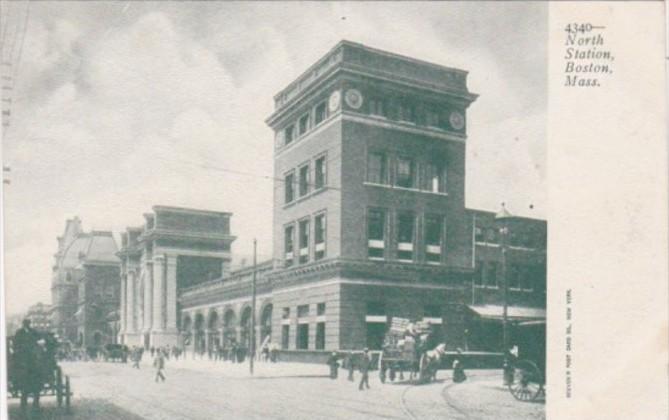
297	183
302	253
401	110
405	222
405	172
491	235
430	115
520	276
302	332
305	123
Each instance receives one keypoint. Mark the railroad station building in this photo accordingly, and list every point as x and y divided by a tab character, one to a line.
369	222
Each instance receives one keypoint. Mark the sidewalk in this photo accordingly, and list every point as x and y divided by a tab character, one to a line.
241	370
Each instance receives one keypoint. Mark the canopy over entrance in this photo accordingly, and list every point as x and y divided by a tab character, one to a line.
514	313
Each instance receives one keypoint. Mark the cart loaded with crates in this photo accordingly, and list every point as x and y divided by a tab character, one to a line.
404	346
32	369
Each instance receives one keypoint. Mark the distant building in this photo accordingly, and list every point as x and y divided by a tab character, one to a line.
85	285
40	316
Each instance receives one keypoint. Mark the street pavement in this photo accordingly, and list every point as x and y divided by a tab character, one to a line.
203	389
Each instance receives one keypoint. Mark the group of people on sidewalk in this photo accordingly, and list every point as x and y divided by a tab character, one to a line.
364	365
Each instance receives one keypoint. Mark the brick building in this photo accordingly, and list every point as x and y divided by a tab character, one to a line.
369	218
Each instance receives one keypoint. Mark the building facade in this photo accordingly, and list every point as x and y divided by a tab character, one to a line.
85	286
175	249
369	222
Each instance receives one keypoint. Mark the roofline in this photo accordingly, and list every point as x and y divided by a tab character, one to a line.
492	213
344	42
190	210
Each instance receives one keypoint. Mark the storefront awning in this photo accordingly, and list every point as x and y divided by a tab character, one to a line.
514	313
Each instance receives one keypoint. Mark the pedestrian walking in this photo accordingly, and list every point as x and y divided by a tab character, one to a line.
333	362
159	364
365	364
349	365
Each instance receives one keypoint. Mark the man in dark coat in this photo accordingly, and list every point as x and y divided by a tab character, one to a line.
27	364
333	362
365	364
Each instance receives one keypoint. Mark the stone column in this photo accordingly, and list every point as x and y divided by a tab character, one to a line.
171	291
123	308
130	317
148	298
158	293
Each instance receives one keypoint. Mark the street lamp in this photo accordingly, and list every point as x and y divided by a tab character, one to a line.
502	218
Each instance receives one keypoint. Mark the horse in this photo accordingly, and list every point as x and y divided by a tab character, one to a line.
430	362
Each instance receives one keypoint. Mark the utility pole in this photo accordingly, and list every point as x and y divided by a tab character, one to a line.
503	217
253	308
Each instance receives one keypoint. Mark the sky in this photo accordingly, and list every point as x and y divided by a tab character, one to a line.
119	106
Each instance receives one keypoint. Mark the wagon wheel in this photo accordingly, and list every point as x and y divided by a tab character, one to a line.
527	383
59	387
68	393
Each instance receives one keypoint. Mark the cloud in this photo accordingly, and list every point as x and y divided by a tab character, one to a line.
164	103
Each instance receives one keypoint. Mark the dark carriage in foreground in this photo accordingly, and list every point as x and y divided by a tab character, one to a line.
34	371
526	369
407	347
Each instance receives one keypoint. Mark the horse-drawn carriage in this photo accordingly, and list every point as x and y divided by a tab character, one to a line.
407	348
32	368
526	364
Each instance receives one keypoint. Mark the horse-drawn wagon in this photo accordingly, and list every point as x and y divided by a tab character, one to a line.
406	348
33	370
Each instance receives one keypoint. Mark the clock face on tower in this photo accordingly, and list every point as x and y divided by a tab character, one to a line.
335	101
457	120
353	98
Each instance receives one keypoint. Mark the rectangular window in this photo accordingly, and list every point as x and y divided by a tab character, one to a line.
377	168
491	235
302	338
491	274
406	112
289	186
478	234
320	177
405	236
320	309
303	311
435	178
289	134
433	237
478	273
304	180
320	113
285	336
304	124
289	249
377	107
514	276
406	173
526	278
304	241
285	313
376	233
320	336
319	237
432	118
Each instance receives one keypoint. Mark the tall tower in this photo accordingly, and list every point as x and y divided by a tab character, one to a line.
369	206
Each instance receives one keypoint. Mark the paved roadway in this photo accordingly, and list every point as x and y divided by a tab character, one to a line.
205	390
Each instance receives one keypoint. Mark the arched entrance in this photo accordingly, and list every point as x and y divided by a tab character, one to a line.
229	325
213	327
245	328
198	334
186	330
266	323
